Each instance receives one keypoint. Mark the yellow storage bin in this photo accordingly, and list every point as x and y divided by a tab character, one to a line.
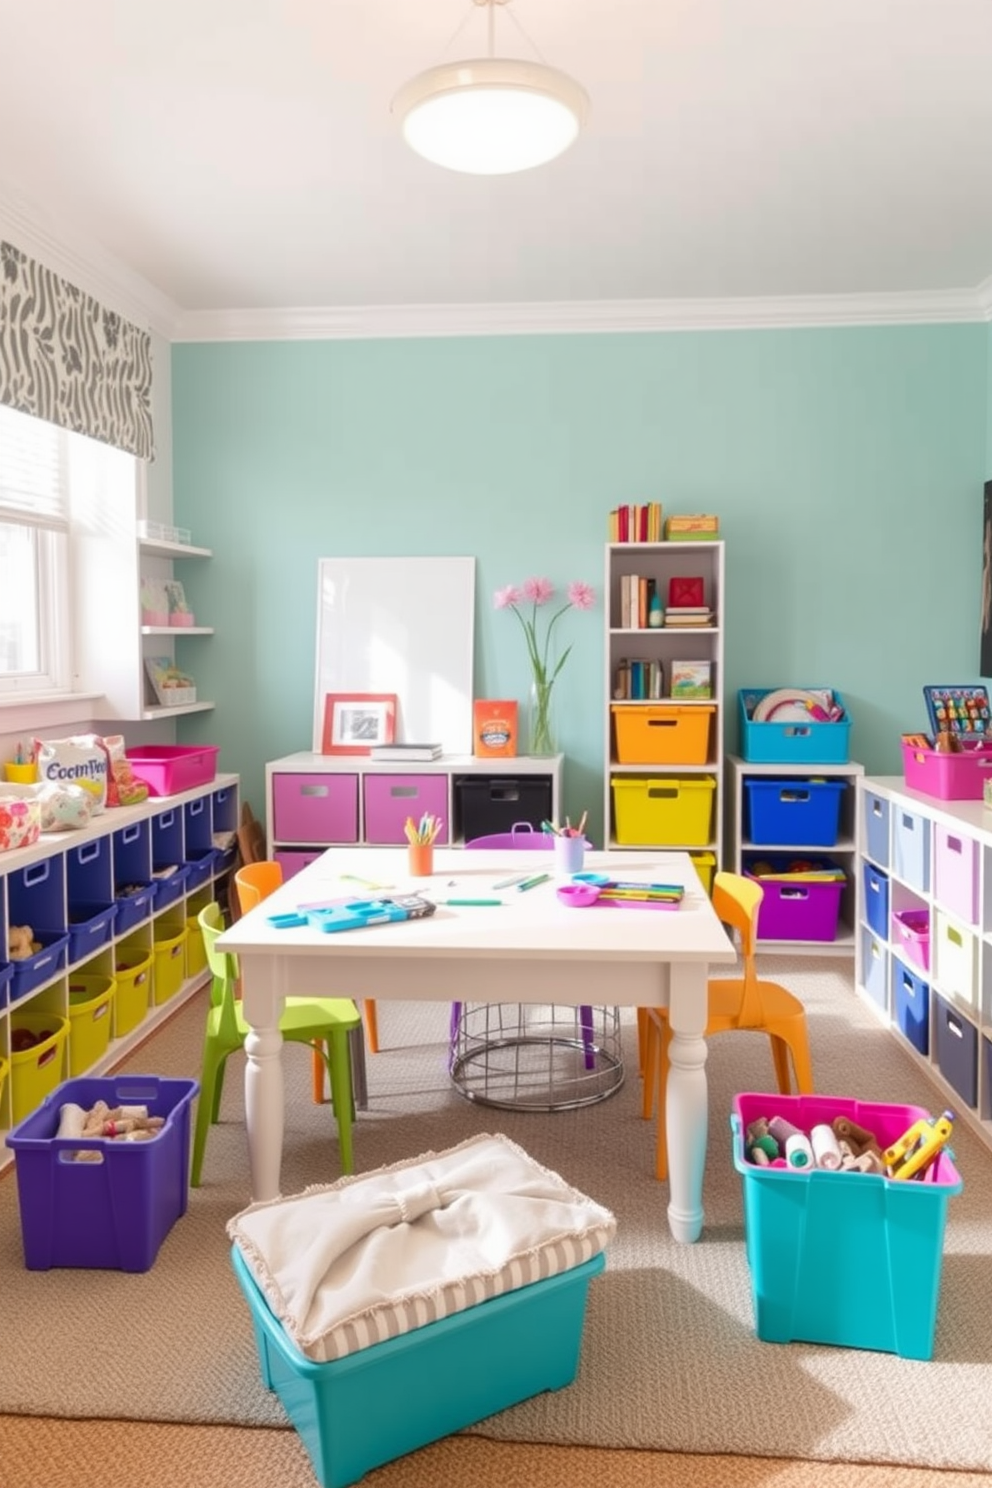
4	1071
169	962
91	1016
705	866
36	1072
134	978
662	736
663	812
196	956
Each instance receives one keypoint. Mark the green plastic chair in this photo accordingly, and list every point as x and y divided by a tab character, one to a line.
306	1020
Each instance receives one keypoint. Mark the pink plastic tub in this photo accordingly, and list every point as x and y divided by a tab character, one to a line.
947	777
168	769
911	928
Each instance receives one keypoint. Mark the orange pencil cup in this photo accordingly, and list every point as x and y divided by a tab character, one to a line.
421	859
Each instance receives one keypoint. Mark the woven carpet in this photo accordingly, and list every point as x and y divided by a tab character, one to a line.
670	1359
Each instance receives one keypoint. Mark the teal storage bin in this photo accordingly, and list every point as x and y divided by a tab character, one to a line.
372	1406
792	743
843	1258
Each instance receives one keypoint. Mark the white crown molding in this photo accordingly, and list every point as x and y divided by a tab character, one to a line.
86	265
933	307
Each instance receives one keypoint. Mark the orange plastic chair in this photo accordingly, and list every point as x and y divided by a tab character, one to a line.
746	1002
255	882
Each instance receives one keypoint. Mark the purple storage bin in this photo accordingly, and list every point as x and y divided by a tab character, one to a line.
911	932
390	799
315	808
292	863
112	1214
797	909
35	970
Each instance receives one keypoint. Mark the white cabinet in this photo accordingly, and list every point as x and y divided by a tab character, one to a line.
112	905
924	946
743	849
316	801
664	751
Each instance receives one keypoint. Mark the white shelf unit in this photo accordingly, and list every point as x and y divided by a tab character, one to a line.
662	562
844	851
111	641
935	857
116	850
317	801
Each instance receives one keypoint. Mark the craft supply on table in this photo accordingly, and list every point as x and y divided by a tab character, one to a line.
587	889
533	881
421	837
353	914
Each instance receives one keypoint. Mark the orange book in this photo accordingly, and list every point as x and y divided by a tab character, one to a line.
494	727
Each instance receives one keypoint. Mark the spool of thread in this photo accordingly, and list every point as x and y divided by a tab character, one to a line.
782	1130
798	1151
763	1150
826	1148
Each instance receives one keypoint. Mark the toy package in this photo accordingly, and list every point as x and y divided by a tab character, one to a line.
79	760
123	786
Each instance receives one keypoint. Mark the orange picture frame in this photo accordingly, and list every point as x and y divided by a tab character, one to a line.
355	722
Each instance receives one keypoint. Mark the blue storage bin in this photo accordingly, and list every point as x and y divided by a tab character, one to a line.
793	813
90	927
911	1001
89	875
957	1050
356	1413
113	1214
875	968
6	976
876	895
911	848
135	906
199	868
876	824
36	897
843	1258
224	809
791	743
168	890
34	971
198	826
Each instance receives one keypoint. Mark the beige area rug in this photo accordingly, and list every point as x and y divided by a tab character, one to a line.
670	1359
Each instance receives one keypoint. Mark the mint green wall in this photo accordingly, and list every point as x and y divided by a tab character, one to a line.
846	467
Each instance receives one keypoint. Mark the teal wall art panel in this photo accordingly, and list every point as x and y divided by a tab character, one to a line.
846	466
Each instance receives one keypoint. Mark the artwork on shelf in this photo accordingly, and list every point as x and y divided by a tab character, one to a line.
356	722
173	687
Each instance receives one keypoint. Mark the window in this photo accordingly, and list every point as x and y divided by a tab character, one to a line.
34	541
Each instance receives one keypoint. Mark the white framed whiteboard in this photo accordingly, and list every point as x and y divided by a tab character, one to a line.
403	626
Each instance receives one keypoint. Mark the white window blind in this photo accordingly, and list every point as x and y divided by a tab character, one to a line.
34	483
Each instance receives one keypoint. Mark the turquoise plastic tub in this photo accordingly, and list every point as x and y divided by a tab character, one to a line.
356	1413
843	1258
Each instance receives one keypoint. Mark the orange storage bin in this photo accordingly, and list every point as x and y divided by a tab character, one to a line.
662	736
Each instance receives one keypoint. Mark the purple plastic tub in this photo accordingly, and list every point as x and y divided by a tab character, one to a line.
114	1213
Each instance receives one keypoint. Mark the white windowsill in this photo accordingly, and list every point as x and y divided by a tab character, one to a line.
44	709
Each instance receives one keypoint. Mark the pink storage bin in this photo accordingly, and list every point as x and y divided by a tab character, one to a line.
947	777
390	799
292	863
182	618
155	617
911	932
955	873
168	769
318	807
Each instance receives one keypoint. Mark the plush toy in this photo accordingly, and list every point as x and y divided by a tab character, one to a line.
21	943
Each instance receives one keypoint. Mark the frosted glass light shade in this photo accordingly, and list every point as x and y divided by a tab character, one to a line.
491	116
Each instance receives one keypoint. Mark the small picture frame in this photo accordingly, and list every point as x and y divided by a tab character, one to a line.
354	723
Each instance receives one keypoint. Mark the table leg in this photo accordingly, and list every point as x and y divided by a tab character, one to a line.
263	997
686	1109
359	1069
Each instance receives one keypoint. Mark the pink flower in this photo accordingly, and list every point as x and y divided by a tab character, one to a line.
581	595
538	591
504	598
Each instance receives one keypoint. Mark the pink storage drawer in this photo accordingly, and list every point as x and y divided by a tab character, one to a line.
390	799
168	769
294	862
315	808
947	777
955	873
911	933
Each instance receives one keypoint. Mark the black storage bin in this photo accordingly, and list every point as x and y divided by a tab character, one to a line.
485	804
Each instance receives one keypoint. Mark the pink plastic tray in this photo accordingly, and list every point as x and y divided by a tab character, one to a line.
168	769
947	777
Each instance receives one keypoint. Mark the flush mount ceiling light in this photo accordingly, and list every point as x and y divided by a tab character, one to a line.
491	115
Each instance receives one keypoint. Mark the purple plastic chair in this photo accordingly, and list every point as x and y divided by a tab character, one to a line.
523	838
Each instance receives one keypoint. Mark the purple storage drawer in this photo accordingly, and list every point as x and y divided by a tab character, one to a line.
315	808
955	873
390	799
294	862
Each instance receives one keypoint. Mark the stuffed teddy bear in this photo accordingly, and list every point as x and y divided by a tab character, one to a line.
21	943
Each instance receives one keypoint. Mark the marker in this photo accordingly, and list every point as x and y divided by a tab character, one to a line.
471	901
511	883
532	883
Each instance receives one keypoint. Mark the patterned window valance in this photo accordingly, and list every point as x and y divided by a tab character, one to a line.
64	358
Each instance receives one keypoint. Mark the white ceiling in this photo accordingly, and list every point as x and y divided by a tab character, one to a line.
242	157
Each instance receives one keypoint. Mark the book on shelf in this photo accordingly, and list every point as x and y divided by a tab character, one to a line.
691	679
687	616
636	523
494	728
406	751
638	679
700	527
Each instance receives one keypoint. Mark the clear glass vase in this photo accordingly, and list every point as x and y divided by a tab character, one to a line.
541	738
